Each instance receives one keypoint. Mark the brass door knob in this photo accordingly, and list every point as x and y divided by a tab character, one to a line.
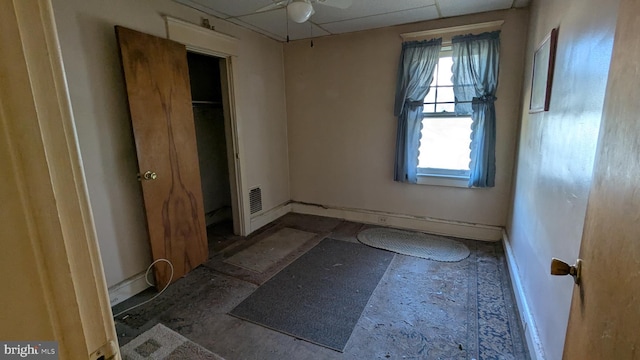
559	267
150	175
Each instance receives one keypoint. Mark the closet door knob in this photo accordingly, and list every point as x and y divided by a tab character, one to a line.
150	175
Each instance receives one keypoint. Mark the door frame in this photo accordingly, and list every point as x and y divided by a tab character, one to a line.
201	40
49	220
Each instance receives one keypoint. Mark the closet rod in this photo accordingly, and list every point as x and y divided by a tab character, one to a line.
197	102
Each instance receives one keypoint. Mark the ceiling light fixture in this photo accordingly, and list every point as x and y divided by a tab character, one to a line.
299	11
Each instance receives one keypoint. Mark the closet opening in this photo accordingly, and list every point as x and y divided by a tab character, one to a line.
213	145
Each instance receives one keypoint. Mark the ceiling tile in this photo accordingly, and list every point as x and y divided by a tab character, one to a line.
377	21
230	7
275	23
302	31
325	14
362	15
197	4
462	7
255	28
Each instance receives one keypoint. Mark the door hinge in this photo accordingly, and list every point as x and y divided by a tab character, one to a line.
105	352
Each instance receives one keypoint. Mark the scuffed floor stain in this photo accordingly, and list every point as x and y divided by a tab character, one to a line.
421	309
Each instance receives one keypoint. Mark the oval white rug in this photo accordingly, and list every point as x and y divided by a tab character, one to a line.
426	246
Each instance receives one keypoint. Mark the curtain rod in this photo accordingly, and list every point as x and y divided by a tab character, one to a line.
440	31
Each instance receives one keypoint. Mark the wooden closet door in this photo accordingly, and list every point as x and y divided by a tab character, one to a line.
157	81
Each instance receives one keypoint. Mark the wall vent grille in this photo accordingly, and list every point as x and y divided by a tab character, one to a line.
255	200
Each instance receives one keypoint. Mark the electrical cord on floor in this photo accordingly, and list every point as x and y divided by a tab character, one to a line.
146	278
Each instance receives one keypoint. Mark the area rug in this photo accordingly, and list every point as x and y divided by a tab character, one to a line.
262	255
320	296
160	342
417	244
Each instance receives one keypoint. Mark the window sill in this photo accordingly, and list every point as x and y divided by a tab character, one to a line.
450	181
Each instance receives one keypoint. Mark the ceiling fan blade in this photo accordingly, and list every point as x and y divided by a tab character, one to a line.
340	4
273	6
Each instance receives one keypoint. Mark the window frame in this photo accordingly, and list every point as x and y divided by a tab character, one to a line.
442	175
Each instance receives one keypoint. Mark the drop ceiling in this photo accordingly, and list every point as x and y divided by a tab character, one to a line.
362	15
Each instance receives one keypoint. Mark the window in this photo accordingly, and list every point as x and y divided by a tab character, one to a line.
446	158
444	145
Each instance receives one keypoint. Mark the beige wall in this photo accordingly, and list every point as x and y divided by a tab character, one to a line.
99	104
556	155
342	131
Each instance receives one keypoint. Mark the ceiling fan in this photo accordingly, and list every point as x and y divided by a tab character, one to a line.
301	10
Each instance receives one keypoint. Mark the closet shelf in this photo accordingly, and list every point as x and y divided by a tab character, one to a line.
206	102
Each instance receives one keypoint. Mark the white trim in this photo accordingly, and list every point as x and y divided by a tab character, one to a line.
47	192
454	29
206	41
534	345
443	181
263	218
430	225
127	288
200	38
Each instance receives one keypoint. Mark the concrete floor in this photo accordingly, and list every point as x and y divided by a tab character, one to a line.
421	309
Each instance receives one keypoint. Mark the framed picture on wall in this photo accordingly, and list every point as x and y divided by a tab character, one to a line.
542	76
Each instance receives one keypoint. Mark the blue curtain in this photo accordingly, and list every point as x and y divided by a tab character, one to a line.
475	79
415	73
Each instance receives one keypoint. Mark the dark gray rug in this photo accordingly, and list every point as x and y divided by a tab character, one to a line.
320	296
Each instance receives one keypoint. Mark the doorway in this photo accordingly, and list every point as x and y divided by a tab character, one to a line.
212	144
224	49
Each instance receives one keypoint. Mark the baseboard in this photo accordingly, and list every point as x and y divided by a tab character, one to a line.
536	350
127	288
430	225
266	217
